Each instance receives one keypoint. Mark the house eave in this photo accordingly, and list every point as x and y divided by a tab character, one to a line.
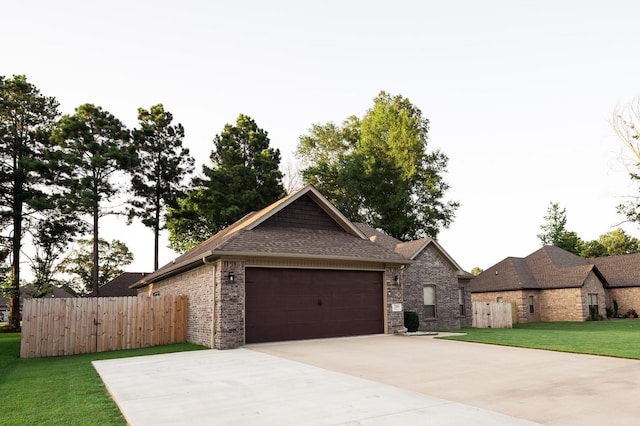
219	254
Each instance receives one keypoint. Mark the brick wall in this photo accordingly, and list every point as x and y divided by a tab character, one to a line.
229	305
394	291
431	268
627	298
197	285
562	304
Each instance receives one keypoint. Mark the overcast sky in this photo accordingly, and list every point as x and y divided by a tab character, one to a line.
520	94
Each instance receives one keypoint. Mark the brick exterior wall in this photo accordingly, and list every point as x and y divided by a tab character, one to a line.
229	304
394	291
563	304
197	285
431	268
627	298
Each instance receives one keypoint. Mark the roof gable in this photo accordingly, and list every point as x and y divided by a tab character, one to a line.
302	224
303	212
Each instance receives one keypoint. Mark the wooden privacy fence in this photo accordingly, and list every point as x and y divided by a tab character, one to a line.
52	327
492	315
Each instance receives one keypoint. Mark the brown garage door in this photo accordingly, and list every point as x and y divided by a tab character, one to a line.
290	304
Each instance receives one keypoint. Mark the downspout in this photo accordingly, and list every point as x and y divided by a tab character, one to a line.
213	300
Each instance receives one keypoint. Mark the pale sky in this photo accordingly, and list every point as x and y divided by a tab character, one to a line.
520	94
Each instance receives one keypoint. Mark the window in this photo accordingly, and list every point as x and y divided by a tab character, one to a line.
593	304
430	301
532	309
461	300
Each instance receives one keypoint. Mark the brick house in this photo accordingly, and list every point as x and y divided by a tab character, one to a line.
623	279
434	285
550	284
296	269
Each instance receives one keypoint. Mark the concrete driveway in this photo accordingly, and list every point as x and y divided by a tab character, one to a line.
374	380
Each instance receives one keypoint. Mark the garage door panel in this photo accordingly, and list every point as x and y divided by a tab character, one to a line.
289	304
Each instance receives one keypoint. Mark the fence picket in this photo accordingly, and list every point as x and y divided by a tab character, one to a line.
54	327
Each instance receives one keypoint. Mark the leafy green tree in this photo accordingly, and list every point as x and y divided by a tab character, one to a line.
164	163
244	177
53	234
554	230
327	152
79	264
26	118
379	170
476	271
612	243
97	152
593	248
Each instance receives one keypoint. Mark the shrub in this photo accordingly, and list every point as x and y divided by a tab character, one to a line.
609	312
632	313
411	321
616	314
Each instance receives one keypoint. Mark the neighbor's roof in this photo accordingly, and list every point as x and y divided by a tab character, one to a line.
120	285
246	238
547	268
27	291
620	271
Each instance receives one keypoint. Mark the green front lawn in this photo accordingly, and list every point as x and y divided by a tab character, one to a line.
60	390
617	338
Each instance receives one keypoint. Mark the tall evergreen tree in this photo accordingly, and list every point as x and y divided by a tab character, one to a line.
554	230
158	180
26	118
97	153
244	176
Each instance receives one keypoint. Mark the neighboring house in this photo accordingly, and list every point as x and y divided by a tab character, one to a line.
434	285
120	285
623	278
296	269
550	284
26	292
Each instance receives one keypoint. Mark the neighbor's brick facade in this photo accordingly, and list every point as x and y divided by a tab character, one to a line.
431	268
197	285
627	298
563	304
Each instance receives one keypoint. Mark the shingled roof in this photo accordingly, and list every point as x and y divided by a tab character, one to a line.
620	271
547	268
270	232
409	249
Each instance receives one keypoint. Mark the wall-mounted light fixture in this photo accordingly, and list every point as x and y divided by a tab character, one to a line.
396	279
232	276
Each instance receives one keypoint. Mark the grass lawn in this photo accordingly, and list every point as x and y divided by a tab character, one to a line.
617	338
60	390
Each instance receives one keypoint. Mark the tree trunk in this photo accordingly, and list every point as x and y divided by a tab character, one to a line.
14	309
94	270
156	230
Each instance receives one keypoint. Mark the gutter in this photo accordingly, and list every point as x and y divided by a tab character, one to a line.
212	256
